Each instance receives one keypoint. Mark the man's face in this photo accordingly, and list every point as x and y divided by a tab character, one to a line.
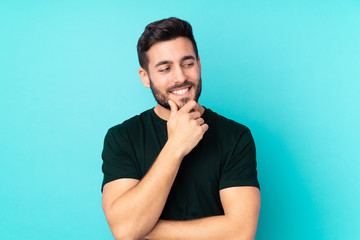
174	72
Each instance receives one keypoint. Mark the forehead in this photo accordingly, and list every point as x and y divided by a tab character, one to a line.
172	50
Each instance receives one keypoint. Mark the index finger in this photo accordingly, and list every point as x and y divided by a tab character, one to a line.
190	106
173	107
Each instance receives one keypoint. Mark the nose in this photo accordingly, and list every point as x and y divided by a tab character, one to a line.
180	75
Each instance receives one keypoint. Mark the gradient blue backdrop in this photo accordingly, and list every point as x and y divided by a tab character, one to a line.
289	70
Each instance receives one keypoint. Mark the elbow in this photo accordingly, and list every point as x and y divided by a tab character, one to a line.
124	232
247	233
248	237
243	235
126	229
121	237
242	230
121	228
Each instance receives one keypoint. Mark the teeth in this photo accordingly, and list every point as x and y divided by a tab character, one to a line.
180	92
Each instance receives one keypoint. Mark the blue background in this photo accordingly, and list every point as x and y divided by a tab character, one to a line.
289	70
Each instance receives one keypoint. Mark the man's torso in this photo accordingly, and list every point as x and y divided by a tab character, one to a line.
225	157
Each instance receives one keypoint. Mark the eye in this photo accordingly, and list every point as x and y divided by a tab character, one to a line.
164	69
188	65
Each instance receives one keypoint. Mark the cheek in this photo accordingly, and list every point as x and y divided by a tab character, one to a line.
161	84
194	74
165	81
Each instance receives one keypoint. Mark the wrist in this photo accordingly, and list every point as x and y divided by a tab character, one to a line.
174	149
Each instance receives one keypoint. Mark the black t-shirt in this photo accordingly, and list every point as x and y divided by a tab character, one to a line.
225	157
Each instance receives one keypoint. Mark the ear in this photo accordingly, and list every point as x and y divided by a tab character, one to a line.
144	77
198	62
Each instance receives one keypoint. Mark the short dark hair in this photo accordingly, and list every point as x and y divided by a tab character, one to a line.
163	30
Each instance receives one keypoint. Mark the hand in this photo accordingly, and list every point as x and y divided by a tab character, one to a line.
185	126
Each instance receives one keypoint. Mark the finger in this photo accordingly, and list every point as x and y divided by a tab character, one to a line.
200	121
195	115
173	107
205	127
189	106
198	107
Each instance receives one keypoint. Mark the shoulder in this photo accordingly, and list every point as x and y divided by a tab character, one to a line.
226	126
132	123
129	128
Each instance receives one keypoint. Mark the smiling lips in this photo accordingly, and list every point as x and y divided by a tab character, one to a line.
181	91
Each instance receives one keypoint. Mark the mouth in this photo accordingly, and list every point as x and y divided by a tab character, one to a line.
180	92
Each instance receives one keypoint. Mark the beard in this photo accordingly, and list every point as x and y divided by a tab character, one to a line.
163	99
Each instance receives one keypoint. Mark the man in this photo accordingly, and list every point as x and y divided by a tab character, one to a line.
179	170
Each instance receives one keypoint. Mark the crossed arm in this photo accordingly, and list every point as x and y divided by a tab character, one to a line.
133	207
241	206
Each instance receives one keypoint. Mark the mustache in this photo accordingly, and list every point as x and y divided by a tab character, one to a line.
186	83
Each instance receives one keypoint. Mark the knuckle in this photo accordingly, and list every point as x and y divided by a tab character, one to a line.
187	116
192	103
194	123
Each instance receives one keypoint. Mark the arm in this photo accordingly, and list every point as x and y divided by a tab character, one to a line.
133	207
241	207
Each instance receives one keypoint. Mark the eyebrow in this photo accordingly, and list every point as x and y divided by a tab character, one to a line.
169	62
162	63
187	58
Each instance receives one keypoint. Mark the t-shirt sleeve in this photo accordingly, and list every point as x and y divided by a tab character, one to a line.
117	160
240	167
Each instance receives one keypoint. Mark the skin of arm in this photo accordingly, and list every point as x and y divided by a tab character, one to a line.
133	207
241	207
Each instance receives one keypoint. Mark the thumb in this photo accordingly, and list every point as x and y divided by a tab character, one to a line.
173	107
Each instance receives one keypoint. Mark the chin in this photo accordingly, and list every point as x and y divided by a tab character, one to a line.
182	102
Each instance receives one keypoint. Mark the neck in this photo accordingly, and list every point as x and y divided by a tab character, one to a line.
164	113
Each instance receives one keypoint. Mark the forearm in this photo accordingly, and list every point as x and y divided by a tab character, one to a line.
241	207
217	227
134	213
